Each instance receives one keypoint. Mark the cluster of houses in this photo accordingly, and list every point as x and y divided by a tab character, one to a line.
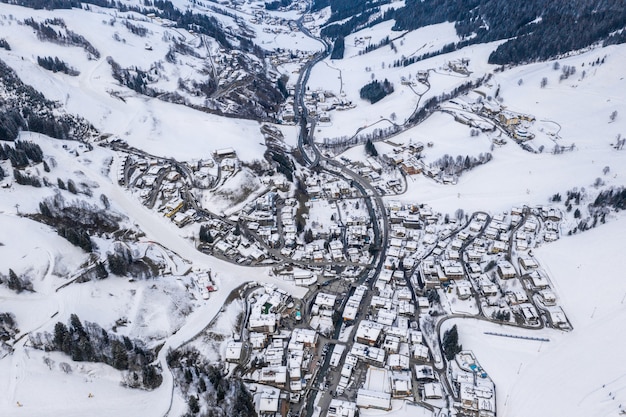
318	103
203	283
406	158
280	360
489	262
472	385
336	236
159	183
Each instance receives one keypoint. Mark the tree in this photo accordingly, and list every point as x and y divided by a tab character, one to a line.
194	407
205	234
544	82
370	148
308	236
338	48
71	186
613	115
577	214
606	170
451	343
60	335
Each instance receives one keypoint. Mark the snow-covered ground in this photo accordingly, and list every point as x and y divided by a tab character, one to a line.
575	373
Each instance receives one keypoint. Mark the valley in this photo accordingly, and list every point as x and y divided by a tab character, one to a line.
300	209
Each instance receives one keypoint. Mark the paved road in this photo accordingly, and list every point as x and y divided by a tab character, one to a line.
375	208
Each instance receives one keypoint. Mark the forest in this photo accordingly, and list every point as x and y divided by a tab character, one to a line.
534	29
89	342
376	90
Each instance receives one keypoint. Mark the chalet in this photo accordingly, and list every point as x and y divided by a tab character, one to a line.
538	279
274	375
424	373
269	402
453	270
529	312
557	317
429	273
547	297
398	362
517	297
464	289
225	153
528	263
498	246
487	287
369	332
506	270
401	383
421	352
432	391
551	237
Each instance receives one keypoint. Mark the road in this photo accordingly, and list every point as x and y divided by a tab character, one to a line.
375	207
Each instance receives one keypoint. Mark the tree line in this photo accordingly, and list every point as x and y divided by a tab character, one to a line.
46	32
77	220
91	343
57	65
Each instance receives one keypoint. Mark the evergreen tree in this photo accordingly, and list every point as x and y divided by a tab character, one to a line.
451	343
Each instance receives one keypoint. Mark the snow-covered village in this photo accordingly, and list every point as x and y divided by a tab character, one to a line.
312	208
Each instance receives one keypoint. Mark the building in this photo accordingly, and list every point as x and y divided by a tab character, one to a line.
373	399
506	270
432	391
369	332
339	408
269	402
233	351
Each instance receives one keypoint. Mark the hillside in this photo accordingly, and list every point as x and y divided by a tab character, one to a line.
403	208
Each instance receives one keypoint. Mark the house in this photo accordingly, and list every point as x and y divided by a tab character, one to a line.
487	287
529	312
269	402
538	279
498	246
432	391
547	297
401	384
528	262
339	408
233	351
368	332
424	373
453	270
506	270
398	362
557	318
464	290
421	352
